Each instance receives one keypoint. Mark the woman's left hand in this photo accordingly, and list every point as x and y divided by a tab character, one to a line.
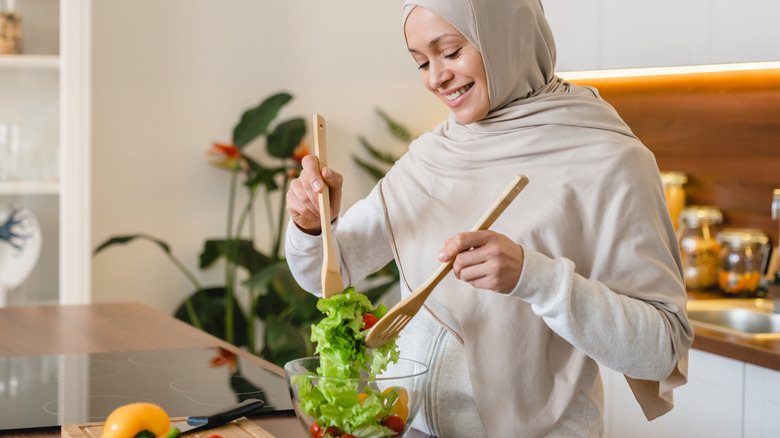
485	260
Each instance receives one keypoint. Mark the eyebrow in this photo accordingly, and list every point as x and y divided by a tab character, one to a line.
437	40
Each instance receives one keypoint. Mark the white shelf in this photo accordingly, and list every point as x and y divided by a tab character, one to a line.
29	188
30	61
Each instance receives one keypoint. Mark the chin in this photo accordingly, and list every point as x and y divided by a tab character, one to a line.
468	117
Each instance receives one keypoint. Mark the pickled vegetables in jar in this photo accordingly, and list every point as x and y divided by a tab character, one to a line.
674	193
699	247
742	258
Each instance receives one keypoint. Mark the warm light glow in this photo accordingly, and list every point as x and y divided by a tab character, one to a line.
654	71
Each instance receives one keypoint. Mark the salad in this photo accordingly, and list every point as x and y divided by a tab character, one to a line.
340	407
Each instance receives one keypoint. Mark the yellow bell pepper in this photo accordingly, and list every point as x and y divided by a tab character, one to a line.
129	420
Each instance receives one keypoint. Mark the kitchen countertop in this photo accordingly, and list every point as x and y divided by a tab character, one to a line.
761	352
98	328
28	331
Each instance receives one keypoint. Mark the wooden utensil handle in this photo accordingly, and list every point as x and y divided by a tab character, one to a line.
332	282
503	201
320	151
487	219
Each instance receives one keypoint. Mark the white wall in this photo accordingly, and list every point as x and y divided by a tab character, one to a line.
171	77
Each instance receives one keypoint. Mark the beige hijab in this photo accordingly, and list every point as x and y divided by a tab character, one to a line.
595	198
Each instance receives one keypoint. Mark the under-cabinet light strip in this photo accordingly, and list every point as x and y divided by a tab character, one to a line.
654	71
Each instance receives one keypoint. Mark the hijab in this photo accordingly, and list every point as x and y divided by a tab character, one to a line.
594	198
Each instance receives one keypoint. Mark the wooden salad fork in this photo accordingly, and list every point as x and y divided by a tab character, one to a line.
332	283
396	319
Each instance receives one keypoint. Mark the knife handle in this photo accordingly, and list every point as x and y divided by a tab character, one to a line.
227	414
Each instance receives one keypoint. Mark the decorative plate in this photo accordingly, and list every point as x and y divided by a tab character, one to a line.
20	246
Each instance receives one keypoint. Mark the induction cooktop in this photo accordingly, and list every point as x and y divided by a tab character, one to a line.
49	391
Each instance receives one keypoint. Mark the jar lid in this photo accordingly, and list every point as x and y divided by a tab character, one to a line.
673	178
701	213
742	237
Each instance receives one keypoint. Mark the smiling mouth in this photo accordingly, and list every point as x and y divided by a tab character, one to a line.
457	93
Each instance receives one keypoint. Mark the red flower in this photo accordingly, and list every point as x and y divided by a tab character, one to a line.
224	358
226	155
303	149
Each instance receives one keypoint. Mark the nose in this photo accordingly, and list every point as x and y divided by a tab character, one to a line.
438	75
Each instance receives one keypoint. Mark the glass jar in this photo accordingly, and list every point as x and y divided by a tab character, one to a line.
742	258
675	194
699	247
10	28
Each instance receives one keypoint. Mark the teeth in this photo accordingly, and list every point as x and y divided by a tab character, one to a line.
457	93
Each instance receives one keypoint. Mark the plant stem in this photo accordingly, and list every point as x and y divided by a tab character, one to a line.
231	249
269	212
188	304
247	213
280	225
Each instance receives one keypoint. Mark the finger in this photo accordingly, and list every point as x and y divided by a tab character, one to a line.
335	181
311	170
304	212
461	242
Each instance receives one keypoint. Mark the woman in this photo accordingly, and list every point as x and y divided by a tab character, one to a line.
582	268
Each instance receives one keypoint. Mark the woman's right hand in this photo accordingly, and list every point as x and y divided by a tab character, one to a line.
302	201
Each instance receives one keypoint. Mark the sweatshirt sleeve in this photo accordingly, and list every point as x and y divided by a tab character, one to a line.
616	330
360	240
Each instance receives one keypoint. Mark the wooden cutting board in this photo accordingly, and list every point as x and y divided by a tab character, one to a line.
241	428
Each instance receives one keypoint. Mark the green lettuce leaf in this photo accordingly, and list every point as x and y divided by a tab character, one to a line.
340	340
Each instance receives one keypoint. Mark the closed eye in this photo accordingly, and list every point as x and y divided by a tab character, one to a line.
423	66
454	54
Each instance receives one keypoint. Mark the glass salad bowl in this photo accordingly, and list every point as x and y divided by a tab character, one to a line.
383	406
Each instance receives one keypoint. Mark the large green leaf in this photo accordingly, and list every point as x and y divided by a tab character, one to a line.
254	122
210	307
258	174
248	257
125	239
281	295
284	342
285	138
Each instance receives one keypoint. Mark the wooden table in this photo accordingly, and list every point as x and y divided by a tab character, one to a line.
99	328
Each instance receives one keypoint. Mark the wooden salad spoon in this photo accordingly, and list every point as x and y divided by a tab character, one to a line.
390	325
332	283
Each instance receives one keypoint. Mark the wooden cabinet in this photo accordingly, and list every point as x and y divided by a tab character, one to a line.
45	95
608	34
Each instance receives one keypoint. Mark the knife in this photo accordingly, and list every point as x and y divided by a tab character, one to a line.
204	422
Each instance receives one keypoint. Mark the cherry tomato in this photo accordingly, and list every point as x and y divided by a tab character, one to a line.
332	431
316	430
347	435
394	423
368	321
214	436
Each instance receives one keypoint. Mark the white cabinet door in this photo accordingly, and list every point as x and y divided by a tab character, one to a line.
762	402
709	405
607	34
641	33
576	26
745	31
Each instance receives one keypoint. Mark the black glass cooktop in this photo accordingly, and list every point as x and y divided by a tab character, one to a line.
50	391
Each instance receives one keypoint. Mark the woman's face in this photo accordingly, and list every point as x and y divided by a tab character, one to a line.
451	67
